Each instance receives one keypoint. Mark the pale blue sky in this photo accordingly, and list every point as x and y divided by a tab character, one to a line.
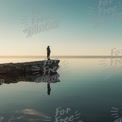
81	29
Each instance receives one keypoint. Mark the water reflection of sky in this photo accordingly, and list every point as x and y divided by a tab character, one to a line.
84	87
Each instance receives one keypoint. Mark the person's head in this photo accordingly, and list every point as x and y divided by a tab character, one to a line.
48	46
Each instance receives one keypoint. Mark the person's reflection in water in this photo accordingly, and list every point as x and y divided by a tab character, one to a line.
48	88
48	84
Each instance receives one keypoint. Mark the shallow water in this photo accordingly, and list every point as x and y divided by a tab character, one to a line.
89	91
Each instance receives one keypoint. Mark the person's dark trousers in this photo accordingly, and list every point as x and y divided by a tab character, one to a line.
48	56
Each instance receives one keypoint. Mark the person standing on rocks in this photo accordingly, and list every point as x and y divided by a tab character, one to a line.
48	52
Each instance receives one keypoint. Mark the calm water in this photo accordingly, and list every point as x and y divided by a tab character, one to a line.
89	90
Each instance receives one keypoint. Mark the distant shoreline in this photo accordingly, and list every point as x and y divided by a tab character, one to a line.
62	56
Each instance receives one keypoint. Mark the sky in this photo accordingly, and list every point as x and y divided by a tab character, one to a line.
69	27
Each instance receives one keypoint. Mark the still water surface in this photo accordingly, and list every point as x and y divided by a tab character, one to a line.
89	90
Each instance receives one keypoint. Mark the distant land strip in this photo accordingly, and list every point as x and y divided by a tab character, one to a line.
92	56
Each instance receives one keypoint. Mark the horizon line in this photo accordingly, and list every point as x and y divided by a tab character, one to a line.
59	56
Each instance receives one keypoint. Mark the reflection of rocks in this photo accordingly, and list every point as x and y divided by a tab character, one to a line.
38	71
48	78
52	78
